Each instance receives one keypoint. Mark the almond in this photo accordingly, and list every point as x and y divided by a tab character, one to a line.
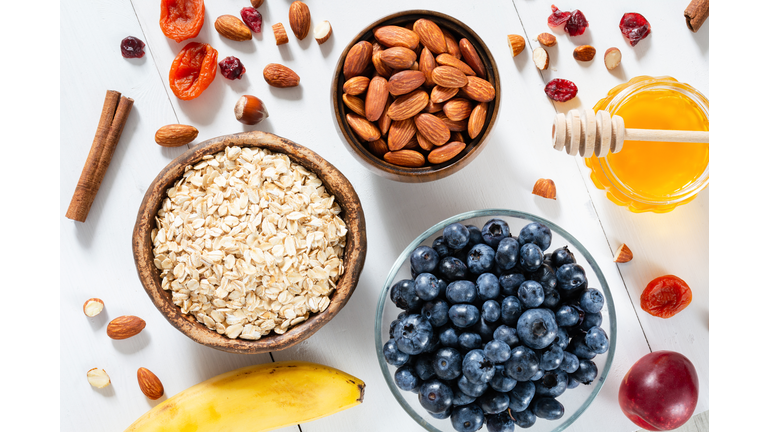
299	19
125	326
547	39
432	128
376	98
584	53
378	147
612	58
384	121
230	27
354	103
175	135
432	107
405	82
408	105
281	37
541	58
427	64
449	60
382	68
445	153
366	130
545	188
479	89
457	136
280	76
470	56
424	143
451	45
396	36
405	158
449	76
623	254
98	377
149	384
256	3
441	94
398	57
412	144
430	36
322	32
453	126
477	120
356	85
93	307
458	109
400	133
516	44
414	66
357	59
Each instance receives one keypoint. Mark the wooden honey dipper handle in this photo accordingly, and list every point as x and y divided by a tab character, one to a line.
587	134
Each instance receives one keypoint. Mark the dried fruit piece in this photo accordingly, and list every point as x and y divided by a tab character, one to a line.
584	53
665	296
149	384
612	58
516	44
322	32
132	47
547	39
280	76
181	19
545	188
93	307
634	27
561	90
252	18
232	68
98	378
558	17
623	254
193	70
576	24
250	110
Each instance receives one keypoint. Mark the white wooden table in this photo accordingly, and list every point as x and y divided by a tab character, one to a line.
96	259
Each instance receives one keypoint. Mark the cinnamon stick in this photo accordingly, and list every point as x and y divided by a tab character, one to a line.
114	115
696	13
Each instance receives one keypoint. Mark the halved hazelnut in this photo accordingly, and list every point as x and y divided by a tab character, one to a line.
250	110
93	307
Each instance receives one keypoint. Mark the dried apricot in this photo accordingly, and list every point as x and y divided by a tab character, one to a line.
181	19
665	296
193	70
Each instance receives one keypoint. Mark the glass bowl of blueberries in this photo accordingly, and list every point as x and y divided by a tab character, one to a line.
495	320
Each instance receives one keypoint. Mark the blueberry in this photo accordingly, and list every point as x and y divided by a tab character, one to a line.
449	337
551	358
476	367
463	315
507	335
591	300
510	283
491	311
537	376
570	277
586	373
435	396
461	291
497	351
531	257
562	339
562	256
591	320
596	340
469	341
536	233
406	378
394	323
460	398
537	328
552	384
452	268
488	287
523	363
441	415
403	295
501	422
572	383
525	418
520	396
412	334
493	402
427	286
423	366
570	362
507	253
456	235
548	408
471	389
436	312
468	418
511	309
446	363
441	247
475	235
392	355
480	258
494	231
531	294
551	298
545	275
424	259
484	329
567	316
500	381
579	348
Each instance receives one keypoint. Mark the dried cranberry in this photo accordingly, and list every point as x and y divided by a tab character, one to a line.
232	68
132	47
252	18
634	27
558	17
576	24
561	90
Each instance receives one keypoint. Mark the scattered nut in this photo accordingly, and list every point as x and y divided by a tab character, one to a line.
541	58
257	3
175	135
281	37
612	58
584	53
545	188
125	326
322	32
230	27
98	378
93	307
299	19
547	39
280	76
623	254
250	110
516	44
150	384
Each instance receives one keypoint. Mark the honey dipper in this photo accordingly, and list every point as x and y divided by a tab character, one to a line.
588	134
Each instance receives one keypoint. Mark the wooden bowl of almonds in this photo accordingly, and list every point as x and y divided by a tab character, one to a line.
249	243
415	95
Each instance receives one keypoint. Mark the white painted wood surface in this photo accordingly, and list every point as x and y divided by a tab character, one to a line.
96	257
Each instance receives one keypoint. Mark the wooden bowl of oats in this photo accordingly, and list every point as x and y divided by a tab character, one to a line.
249	243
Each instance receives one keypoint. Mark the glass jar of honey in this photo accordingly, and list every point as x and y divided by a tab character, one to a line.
654	176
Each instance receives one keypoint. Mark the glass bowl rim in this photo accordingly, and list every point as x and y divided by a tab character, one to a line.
383	298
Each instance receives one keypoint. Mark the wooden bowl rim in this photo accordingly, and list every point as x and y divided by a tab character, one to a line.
425	173
335	182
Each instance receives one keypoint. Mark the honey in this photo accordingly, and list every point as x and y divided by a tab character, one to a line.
654	176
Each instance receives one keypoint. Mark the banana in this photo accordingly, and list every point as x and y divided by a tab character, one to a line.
256	398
